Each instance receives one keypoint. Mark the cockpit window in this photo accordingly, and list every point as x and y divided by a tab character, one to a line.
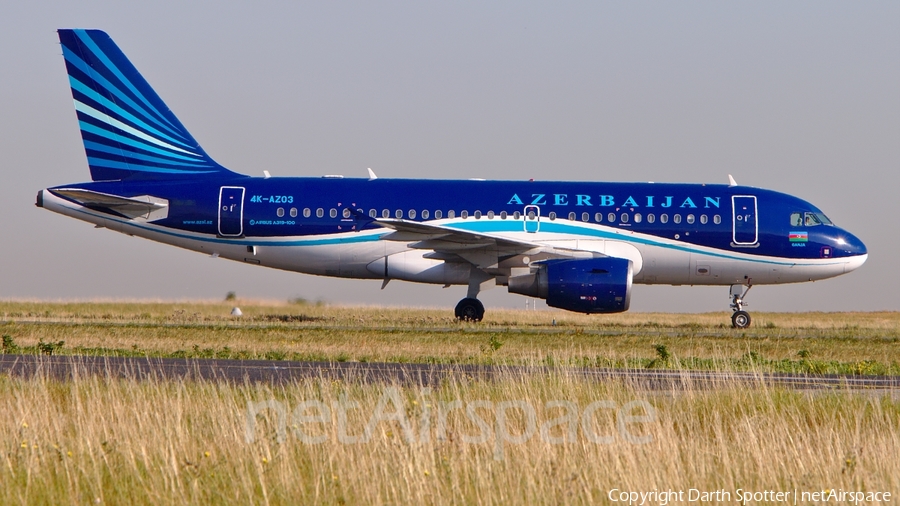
809	219
815	219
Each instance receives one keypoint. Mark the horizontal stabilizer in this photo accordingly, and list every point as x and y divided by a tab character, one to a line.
143	206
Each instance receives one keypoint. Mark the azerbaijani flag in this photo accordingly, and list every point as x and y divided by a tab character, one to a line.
798	236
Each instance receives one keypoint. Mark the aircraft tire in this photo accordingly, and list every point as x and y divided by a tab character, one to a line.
740	320
469	309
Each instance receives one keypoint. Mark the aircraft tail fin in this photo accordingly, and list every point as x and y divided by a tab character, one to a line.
128	131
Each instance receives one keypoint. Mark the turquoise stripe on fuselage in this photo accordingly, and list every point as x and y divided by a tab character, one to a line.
577	232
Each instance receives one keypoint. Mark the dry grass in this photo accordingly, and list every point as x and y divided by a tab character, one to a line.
101	440
121	442
856	343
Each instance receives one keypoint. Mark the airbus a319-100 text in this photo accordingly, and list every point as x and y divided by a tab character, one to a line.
578	245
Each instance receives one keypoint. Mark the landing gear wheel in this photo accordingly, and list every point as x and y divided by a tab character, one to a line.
740	319
469	309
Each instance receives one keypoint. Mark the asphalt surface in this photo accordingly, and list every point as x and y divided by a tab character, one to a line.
284	372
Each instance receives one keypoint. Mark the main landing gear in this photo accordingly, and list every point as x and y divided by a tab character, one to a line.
740	319
469	309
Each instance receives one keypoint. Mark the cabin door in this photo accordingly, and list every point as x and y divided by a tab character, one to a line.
746	224
231	211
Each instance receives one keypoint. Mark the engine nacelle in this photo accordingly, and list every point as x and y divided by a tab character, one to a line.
590	285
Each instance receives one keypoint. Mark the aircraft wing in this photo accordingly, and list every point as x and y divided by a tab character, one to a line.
437	237
486	251
143	206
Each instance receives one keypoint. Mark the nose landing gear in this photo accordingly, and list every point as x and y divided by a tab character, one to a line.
740	319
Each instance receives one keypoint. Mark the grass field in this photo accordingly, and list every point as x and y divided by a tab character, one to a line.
95	440
848	343
536	439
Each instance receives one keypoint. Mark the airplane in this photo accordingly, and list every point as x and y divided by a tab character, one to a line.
580	246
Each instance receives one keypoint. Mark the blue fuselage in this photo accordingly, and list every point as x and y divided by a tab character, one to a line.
691	214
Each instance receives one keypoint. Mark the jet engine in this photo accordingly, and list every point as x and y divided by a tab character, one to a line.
590	285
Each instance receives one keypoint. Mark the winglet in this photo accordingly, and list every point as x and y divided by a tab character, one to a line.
731	181
372	176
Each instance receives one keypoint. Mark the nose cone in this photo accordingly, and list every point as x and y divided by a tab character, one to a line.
847	245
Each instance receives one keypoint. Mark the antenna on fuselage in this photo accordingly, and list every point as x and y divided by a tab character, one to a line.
372	176
731	181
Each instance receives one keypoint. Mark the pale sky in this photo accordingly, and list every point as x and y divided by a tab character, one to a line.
802	98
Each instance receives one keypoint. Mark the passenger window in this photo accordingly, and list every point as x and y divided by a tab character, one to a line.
464	214
664	218
624	217
676	218
585	217
651	218
412	214
796	219
503	215
306	212
637	217
517	215
320	212
346	212
552	216
611	217
717	219
451	214
531	215
280	212
703	219
490	215
438	214
598	217
424	214
477	215
385	213
691	219
373	213
571	216
398	213
293	212
333	213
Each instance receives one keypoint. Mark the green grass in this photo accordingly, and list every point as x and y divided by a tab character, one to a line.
820	343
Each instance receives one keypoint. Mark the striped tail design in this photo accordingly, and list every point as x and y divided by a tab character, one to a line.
128	131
